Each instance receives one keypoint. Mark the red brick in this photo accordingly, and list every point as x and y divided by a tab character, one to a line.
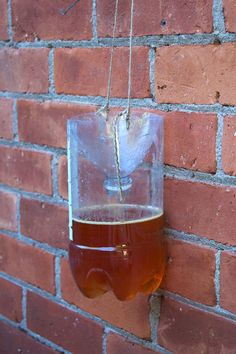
63	177
16	341
44	123
149	16
190	271
24	70
44	222
196	74
229	146
62	326
4	20
227	281
131	315
26	169
230	14
190	140
185	329
8	211
201	209
27	263
10	300
84	71
117	345
6	118
44	20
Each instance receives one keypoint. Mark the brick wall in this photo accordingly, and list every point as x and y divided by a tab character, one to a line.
53	67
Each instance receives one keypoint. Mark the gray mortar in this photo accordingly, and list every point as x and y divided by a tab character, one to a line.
15	121
94	20
51	71
217	278
218	17
9	18
154	316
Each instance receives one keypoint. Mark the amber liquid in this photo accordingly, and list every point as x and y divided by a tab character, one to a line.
126	257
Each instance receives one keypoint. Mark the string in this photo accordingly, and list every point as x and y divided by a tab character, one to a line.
130	62
106	108
126	113
117	155
63	12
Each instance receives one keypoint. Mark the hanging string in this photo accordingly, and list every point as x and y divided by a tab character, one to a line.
105	110
111	57
127	111
63	12
117	154
130	51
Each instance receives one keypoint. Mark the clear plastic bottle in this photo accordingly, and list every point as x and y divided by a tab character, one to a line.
116	204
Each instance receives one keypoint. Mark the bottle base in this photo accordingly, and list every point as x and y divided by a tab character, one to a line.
109	253
117	273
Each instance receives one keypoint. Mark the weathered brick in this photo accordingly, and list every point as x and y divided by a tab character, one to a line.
229	146
24	70
131	316
44	222
230	14
63	177
45	21
190	140
154	17
45	122
62	326
117	345
10	300
27	263
6	118
185	329
190	271
26	169
196	74
4	20
84	71
8	218
202	209
16	341
227	281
